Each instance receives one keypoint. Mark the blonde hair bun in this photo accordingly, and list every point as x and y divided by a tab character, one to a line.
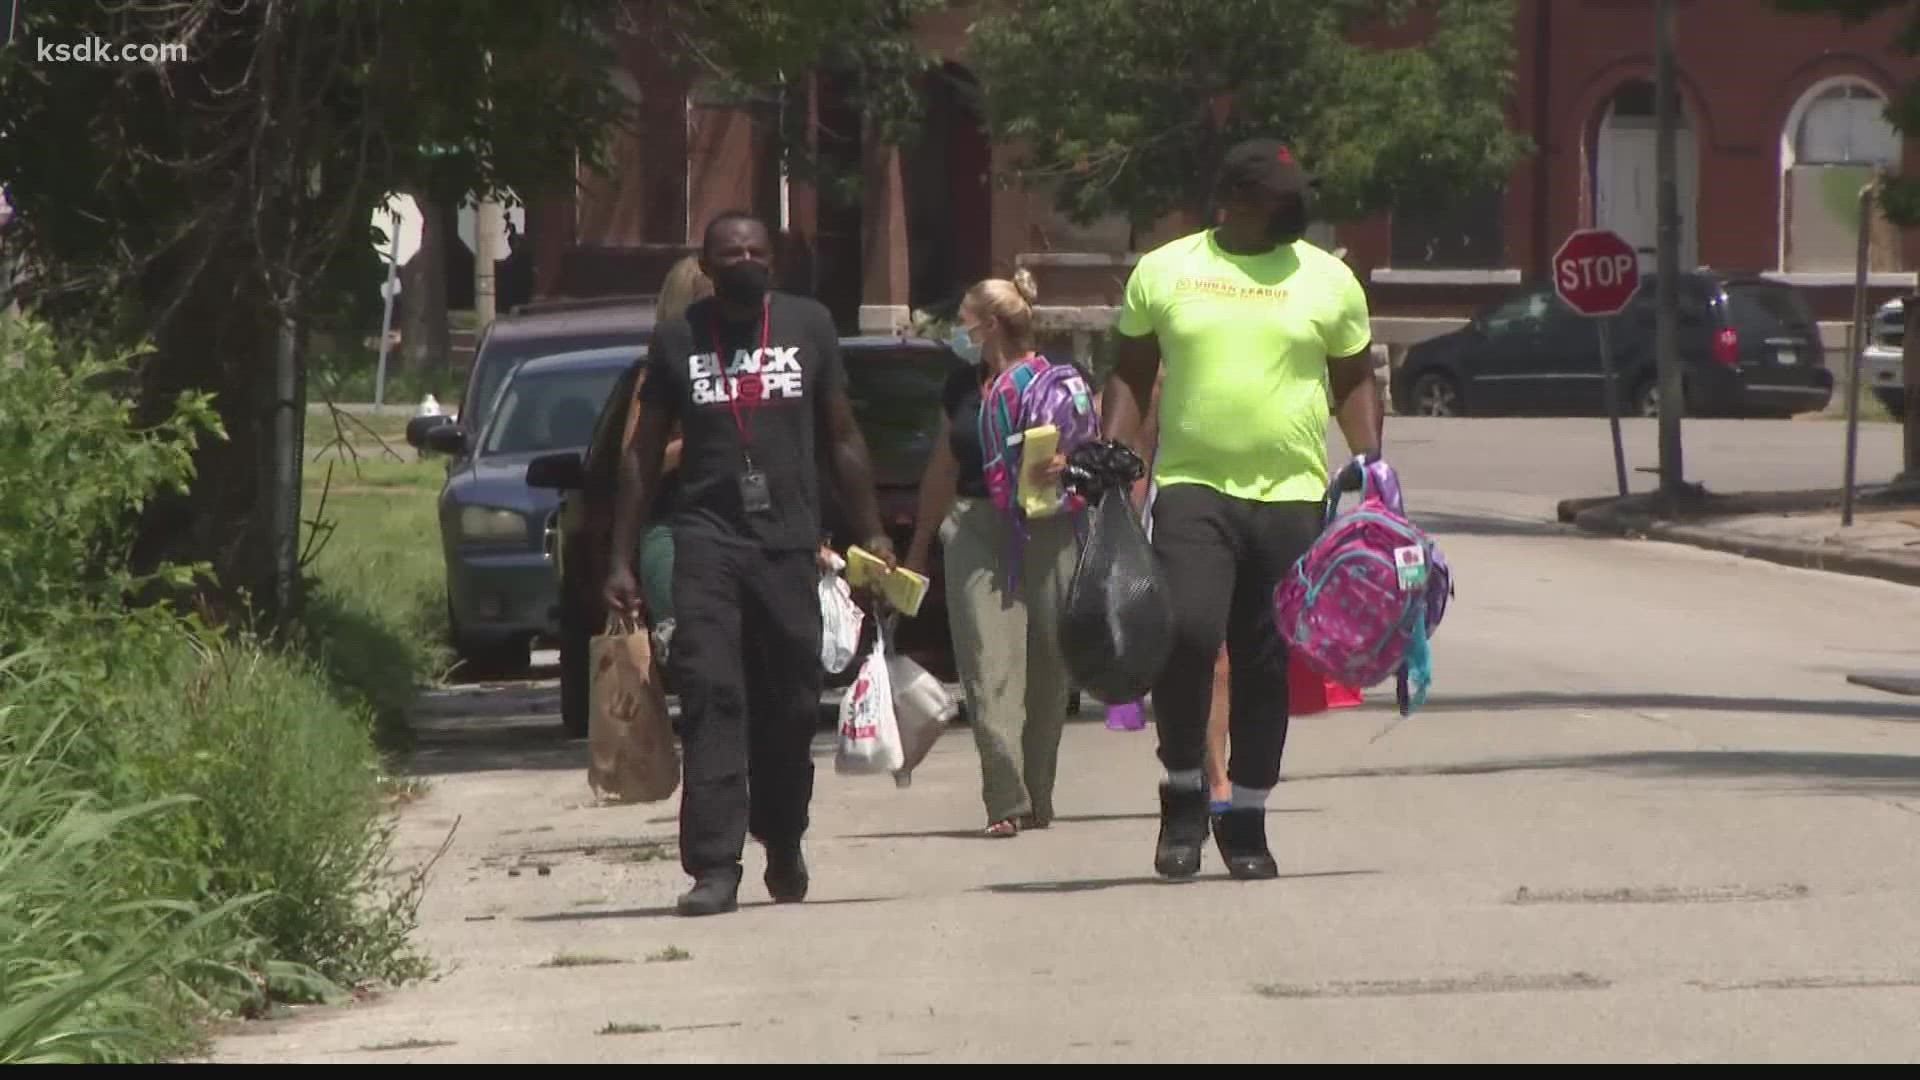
1023	284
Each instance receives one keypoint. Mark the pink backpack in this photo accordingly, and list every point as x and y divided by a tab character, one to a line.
1363	601
1031	393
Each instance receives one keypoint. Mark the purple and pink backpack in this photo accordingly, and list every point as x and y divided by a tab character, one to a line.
1363	601
1034	392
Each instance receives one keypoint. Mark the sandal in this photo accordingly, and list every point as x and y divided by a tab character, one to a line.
1002	830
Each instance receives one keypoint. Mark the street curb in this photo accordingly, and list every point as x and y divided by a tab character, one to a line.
1600	520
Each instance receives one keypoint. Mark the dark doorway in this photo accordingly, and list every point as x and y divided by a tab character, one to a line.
949	193
836	257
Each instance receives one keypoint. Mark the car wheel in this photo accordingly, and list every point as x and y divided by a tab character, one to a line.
1436	393
1646	399
1894	401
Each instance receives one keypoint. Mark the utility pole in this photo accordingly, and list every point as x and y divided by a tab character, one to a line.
1667	290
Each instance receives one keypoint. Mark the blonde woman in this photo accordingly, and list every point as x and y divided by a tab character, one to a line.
1005	642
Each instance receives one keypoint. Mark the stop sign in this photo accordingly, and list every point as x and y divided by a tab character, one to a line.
1596	272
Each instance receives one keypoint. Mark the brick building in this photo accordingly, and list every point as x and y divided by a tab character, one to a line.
1781	125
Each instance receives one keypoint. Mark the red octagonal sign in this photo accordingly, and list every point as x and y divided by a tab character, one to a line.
1596	272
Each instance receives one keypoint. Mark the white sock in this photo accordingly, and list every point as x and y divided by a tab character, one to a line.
1187	780
1250	798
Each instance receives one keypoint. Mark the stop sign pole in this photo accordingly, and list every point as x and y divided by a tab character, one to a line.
1597	274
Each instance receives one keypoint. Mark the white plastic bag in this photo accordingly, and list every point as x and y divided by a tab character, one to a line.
840	622
922	710
869	731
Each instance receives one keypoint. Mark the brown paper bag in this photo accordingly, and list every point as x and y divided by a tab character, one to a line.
633	756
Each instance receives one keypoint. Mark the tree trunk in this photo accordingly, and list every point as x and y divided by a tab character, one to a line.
222	339
425	341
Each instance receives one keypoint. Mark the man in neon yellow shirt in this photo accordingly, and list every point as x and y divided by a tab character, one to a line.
1257	328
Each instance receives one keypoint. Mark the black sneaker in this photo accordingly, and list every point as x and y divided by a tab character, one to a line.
1183	832
1242	837
786	873
715	892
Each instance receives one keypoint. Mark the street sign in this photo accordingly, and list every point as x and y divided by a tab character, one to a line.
1596	272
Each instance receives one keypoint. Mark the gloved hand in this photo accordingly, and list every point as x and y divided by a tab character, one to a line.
1095	468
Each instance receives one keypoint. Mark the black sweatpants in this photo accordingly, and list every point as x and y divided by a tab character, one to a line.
746	664
1222	558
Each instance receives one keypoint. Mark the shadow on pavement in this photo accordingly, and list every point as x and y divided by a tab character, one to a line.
669	912
1064	819
1550	699
1880	773
1031	888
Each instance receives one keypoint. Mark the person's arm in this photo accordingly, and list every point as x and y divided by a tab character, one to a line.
671	460
640	468
1356	396
939	486
847	447
1129	391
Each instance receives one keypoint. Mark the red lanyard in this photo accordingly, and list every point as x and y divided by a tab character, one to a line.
748	384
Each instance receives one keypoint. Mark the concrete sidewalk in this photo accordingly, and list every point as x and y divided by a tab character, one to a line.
1799	529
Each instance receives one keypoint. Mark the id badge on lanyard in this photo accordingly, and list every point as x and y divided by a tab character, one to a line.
756	496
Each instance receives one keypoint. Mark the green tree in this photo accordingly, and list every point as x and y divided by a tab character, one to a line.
218	206
1900	195
1124	105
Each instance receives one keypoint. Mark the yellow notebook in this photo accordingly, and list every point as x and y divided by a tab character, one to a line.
903	589
1039	495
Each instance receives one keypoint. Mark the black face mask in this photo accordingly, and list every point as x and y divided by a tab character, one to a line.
1289	221
742	282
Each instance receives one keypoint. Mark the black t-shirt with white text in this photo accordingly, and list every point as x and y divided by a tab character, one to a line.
797	371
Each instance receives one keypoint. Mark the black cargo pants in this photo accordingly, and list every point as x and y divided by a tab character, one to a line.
746	664
1222	558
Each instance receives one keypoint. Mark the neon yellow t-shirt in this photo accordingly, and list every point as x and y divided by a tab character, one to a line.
1245	340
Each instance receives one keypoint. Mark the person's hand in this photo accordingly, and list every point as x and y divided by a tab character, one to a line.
1055	466
622	595
918	558
826	559
881	547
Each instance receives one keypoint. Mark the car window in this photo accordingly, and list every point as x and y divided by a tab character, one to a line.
896	399
547	411
1767	310
1524	314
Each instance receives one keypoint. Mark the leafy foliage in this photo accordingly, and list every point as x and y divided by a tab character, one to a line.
1900	195
189	820
1124	104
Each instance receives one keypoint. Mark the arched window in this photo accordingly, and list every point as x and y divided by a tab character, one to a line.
1835	138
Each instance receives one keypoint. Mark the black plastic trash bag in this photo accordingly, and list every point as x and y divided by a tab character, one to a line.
1117	627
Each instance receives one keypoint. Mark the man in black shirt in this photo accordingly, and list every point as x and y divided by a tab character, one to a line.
755	381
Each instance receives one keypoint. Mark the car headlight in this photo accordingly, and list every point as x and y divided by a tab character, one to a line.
486	525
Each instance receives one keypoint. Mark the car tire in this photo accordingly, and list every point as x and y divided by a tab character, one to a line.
1435	393
1894	401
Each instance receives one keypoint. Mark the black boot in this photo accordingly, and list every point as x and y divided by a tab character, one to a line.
1242	836
1183	831
714	892
786	873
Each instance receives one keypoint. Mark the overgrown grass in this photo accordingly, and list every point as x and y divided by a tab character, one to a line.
191	817
376	613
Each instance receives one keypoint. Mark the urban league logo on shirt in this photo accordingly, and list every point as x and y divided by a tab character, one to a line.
776	370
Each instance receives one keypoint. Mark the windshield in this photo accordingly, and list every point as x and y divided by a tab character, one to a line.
548	410
1768	311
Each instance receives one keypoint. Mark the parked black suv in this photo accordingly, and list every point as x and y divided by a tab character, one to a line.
1749	346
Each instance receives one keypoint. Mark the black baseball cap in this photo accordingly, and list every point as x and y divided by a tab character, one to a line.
1263	165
